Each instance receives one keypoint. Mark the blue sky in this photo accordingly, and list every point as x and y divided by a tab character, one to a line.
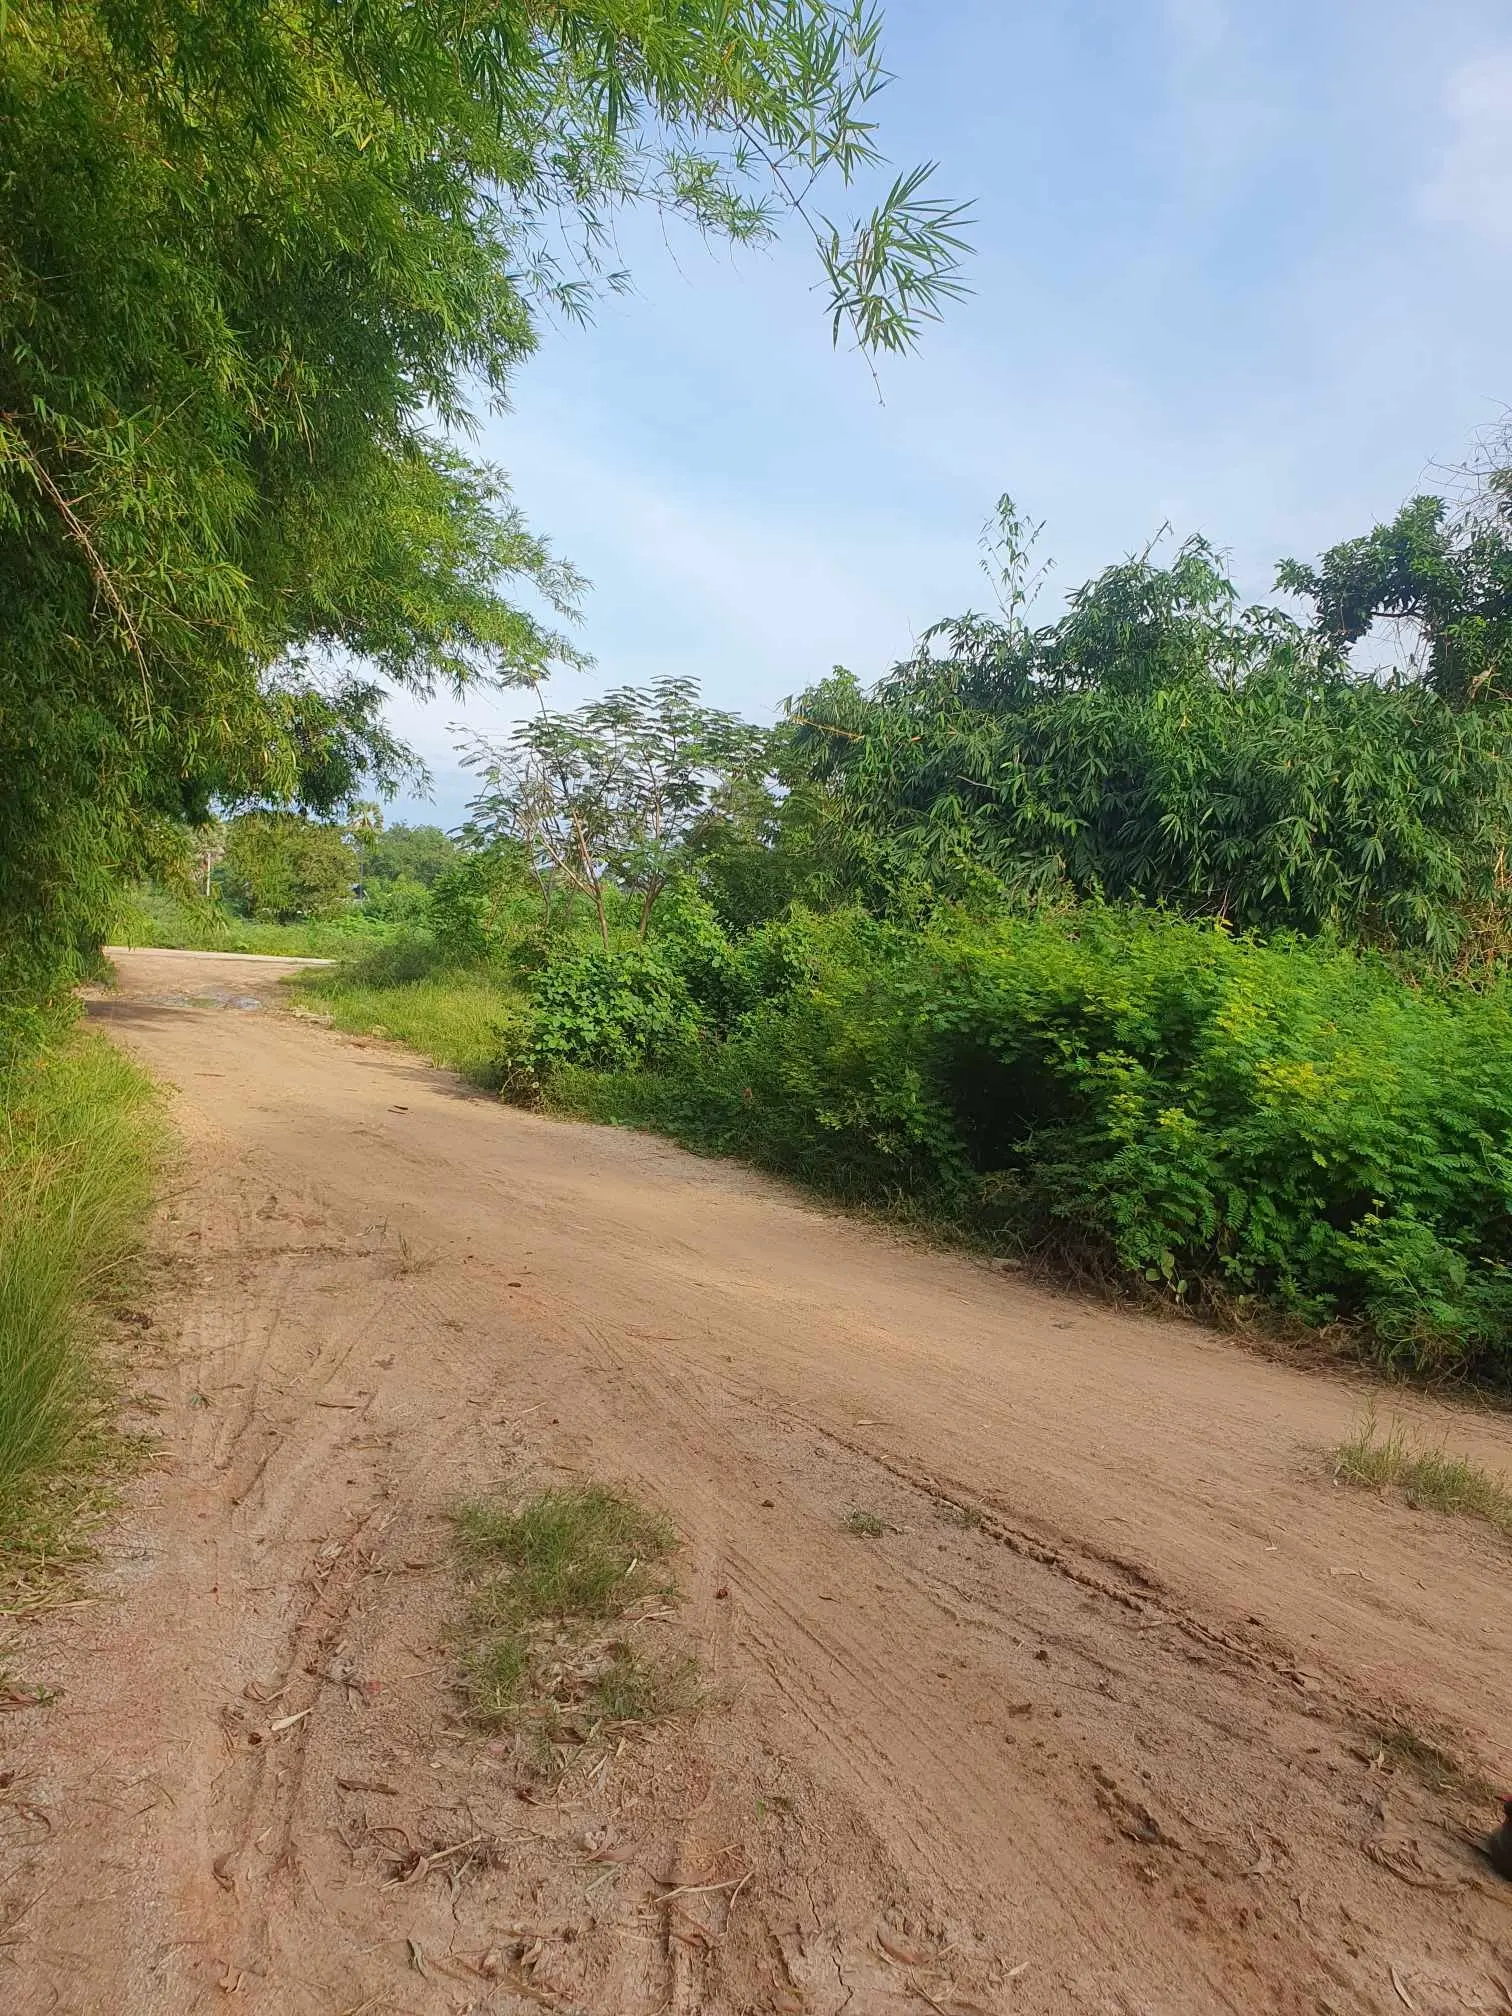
1241	265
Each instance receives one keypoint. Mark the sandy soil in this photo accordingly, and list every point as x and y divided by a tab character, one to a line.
1094	1724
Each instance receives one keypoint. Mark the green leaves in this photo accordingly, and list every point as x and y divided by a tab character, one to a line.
1161	744
257	264
282	869
1445	575
608	794
1208	1115
894	270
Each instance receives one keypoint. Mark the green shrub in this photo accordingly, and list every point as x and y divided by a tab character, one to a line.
476	904
1288	1122
412	856
1159	744
402	902
611	1011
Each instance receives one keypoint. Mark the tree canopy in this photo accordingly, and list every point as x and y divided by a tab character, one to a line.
608	794
1448	574
1163	744
257	264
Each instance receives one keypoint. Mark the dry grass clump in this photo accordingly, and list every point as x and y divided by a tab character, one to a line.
1427	1476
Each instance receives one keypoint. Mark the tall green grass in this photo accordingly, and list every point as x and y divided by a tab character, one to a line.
81	1138
456	1016
156	918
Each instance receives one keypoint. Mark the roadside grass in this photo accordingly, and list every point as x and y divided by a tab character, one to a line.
81	1142
1427	1476
454	1019
156	918
557	1585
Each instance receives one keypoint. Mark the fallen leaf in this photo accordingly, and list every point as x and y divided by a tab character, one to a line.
417	1957
1396	1982
220	1869
288	1721
368	1785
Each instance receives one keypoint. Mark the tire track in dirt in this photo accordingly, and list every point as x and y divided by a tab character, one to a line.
1078	1730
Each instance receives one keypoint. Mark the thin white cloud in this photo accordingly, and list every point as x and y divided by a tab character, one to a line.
1472	184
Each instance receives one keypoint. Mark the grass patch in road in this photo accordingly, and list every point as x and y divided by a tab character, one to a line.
454	1017
1400	1748
1427	1476
558	1585
81	1140
866	1524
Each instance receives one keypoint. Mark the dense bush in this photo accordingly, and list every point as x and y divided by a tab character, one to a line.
280	868
1290	1123
401	855
1161	745
610	1011
647	1006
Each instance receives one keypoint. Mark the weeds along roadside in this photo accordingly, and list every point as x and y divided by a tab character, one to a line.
83	1140
567	1592
1285	1129
157	919
1422	1474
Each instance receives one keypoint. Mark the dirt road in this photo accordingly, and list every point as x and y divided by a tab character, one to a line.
1094	1724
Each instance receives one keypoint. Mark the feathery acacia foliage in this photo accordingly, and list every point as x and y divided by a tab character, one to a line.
607	796
254	263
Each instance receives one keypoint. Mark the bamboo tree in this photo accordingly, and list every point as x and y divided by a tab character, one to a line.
257	264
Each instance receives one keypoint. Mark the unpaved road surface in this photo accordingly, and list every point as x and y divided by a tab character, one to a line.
1092	1725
